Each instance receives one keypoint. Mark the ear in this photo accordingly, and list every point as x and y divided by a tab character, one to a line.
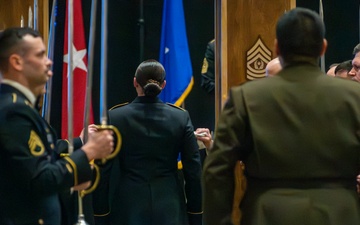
163	84
16	62
277	50
136	84
324	47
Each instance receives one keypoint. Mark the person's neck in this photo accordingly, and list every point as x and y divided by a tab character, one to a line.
301	59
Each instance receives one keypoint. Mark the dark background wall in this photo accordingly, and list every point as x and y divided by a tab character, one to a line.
341	19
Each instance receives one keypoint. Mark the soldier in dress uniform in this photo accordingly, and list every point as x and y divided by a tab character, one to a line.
32	174
208	84
143	187
298	134
208	69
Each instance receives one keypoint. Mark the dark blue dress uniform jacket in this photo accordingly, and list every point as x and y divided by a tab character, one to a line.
31	173
144	187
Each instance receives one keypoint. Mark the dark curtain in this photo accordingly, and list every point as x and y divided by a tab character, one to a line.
342	32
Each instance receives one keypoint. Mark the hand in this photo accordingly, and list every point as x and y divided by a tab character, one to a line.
205	138
82	186
99	145
91	129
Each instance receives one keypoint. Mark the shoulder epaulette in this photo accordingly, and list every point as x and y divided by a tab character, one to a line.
213	40
14	97
15	100
118	105
175	106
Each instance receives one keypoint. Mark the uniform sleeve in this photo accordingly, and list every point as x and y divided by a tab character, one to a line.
101	195
63	145
208	69
190	158
33	162
218	175
109	177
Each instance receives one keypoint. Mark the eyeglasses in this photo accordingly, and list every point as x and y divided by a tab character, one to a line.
356	68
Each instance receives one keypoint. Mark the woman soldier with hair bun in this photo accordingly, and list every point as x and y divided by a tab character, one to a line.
142	182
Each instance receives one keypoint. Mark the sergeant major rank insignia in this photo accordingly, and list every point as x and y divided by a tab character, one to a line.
257	57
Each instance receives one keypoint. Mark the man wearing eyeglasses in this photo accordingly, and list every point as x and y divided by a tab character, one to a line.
356	64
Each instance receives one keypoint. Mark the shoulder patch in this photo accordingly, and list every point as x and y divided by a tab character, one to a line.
35	144
15	100
205	66
175	106
118	105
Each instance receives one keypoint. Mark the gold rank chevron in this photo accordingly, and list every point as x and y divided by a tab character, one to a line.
35	144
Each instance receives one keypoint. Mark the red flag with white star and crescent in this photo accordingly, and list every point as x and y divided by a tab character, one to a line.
79	73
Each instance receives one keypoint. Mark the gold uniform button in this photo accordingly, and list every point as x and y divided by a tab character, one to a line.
41	221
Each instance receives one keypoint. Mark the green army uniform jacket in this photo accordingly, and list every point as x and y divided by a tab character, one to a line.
298	134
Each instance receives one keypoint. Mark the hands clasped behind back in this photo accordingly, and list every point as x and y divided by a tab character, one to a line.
100	144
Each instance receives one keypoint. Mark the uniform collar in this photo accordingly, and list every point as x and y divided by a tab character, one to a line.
145	99
24	90
300	71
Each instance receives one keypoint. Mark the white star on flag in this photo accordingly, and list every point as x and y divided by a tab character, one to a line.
78	58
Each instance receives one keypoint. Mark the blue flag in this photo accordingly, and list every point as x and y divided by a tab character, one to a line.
174	54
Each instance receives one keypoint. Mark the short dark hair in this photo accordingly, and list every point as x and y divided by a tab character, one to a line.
150	74
300	32
10	42
333	65
346	65
356	49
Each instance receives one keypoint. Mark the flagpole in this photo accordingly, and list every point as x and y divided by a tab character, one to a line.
174	54
30	18
103	84
70	99
141	23
46	107
90	68
36	14
103	64
321	13
87	107
70	76
21	21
